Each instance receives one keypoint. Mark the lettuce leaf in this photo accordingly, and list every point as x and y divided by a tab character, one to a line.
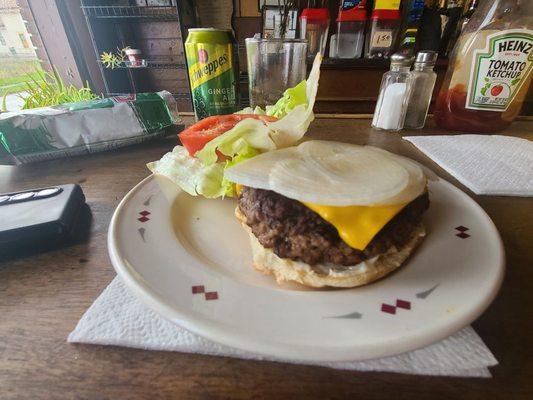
249	133
245	152
204	175
293	126
249	110
292	97
192	175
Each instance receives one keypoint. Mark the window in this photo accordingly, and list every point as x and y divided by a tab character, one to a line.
2	40
24	41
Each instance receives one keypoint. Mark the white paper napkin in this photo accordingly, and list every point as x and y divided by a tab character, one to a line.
118	318
486	164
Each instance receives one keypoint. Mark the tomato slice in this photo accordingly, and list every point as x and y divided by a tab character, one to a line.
195	137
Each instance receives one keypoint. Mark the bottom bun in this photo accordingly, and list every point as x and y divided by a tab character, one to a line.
284	269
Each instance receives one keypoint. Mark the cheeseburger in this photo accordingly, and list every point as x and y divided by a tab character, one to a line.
330	214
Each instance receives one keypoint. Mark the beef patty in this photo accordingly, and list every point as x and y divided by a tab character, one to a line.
294	231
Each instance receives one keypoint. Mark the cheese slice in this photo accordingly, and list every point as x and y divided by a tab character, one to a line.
357	225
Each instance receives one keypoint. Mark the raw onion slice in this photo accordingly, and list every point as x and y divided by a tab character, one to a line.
332	173
337	174
255	171
417	178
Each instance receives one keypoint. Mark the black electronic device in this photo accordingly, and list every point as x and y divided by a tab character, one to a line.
39	219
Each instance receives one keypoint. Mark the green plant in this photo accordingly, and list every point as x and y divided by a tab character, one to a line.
44	89
113	60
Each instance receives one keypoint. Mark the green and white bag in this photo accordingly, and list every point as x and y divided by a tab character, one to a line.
85	127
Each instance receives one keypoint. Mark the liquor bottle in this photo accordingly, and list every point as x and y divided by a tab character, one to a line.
468	14
460	26
351	23
430	27
412	15
451	15
384	28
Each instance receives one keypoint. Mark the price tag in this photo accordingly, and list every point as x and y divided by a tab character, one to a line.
381	39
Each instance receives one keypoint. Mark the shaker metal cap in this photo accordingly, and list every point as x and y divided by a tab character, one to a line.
400	59
426	57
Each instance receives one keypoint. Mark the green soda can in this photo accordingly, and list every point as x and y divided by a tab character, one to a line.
212	63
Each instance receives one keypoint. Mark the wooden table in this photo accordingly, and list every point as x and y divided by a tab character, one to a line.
42	297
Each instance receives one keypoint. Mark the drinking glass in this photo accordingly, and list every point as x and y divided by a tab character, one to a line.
273	66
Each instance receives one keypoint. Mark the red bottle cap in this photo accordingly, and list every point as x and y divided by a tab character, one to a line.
315	14
386	14
354	14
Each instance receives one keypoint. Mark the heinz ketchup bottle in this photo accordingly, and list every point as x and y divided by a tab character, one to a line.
489	70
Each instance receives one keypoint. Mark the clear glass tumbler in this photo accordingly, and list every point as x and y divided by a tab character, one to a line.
274	65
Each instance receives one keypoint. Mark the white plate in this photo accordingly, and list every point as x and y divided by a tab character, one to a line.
190	260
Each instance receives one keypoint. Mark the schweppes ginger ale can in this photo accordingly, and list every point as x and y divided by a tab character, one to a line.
213	68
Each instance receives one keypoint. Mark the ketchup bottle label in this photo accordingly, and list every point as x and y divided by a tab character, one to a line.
500	69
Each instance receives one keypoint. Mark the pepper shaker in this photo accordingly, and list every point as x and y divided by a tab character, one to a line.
423	81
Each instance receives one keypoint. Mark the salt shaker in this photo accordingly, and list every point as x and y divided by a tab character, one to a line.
423	81
393	94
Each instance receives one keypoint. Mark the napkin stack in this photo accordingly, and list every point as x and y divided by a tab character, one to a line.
118	318
486	164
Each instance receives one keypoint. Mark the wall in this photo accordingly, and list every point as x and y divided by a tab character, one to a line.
80	43
162	40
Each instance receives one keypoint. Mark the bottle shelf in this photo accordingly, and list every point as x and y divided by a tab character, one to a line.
160	13
364	63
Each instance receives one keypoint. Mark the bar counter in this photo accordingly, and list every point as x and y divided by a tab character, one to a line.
43	296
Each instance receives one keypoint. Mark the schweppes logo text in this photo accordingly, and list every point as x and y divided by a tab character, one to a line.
200	72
